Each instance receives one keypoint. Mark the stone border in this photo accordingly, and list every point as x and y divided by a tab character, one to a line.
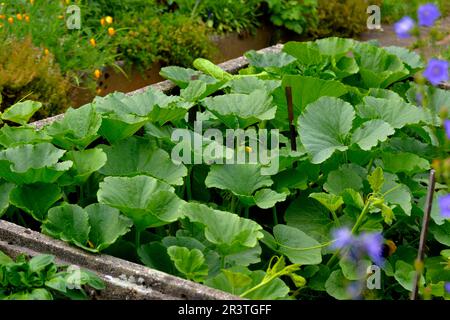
125	280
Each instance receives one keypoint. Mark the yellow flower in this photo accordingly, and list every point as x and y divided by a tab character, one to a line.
46	52
27	18
111	31
99	91
93	42
97	74
31	2
248	149
2	16
102	21
109	20
11	20
19	16
61	17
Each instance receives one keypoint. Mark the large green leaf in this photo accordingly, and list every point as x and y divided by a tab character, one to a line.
35	199
378	68
311	217
137	156
69	223
370	133
15	136
229	232
397	113
107	225
336	286
410	58
404	162
21	112
294	244
85	163
324	127
79	128
5	189
242	110
28	164
343	178
269	59
147	201
397	193
191	263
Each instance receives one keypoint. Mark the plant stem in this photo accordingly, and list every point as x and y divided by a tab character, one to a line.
275	216
137	239
423	235
247	212
335	218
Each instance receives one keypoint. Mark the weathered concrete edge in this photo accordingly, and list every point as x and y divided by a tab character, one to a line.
156	285
115	288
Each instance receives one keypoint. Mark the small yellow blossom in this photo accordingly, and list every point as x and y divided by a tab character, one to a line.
97	73
11	20
93	42
46	52
111	31
109	20
2	16
19	16
248	149
102	21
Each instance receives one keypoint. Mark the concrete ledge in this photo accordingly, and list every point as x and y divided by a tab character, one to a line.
124	280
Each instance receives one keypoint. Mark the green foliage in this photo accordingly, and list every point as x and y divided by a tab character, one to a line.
39	278
101	178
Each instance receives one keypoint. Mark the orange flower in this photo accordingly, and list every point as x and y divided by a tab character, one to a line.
27	18
2	16
109	20
19	16
111	31
46	52
102	21
97	74
93	42
11	20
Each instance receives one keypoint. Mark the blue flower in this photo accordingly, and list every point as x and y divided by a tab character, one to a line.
447	128
428	14
404	27
444	206
437	71
343	238
447	287
373	246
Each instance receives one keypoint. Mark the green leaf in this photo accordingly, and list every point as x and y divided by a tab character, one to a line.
136	156
267	198
4	259
296	245
241	110
410	58
269	59
79	128
441	233
28	164
69	223
310	217
154	255
376	180
329	201
324	127
21	112
306	53
405	274
107	225
146	200
191	263
5	190
354	270
249	84
378	68
180	76
15	136
241	179
40	262
229	232
35	199
370	133
341	179
399	194
85	163
336	286
397	113
404	162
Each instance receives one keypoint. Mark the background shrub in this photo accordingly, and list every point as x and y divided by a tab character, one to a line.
28	73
